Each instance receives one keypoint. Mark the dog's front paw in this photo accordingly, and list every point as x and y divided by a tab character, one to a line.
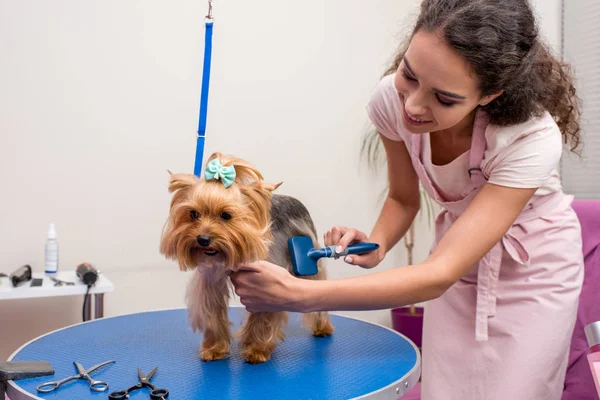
215	352
323	329
255	354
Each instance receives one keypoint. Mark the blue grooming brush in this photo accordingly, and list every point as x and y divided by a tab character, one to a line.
304	256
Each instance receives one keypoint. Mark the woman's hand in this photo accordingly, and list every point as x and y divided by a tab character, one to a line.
341	237
263	286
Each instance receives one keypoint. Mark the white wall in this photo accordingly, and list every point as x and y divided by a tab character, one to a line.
581	172
99	99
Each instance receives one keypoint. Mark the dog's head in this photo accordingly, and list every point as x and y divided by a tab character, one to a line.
221	219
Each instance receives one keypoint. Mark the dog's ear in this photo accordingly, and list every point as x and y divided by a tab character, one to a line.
179	184
271	186
259	196
181	181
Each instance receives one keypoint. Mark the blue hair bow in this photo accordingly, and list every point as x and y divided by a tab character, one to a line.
215	170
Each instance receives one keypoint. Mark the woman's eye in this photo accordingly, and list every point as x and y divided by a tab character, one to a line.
225	216
407	76
444	102
194	214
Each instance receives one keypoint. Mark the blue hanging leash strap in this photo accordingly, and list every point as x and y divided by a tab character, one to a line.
204	94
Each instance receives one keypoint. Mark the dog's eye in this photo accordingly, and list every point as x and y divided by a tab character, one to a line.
225	216
194	214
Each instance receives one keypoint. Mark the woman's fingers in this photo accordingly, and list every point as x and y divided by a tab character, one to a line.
363	261
327	238
351	235
253	267
263	286
336	234
332	236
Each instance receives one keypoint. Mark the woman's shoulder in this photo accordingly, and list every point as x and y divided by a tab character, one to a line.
523	155
384	109
539	130
385	89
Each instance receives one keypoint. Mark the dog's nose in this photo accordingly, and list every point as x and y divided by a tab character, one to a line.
203	240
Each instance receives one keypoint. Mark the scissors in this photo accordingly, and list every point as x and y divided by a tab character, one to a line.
155	394
58	282
96	386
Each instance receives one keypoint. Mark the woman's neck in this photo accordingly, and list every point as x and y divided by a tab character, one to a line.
461	129
448	144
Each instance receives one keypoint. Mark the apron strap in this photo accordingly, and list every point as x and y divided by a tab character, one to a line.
487	280
478	145
489	266
487	277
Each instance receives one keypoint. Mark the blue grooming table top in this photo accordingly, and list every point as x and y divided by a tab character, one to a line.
360	360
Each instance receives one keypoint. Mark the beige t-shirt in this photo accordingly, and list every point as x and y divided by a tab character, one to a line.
525	155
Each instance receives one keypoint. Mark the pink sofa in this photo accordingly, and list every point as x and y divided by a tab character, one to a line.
579	384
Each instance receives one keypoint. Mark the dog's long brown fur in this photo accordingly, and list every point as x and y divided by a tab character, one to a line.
243	224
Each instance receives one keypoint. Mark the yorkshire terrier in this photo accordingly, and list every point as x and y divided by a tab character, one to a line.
215	223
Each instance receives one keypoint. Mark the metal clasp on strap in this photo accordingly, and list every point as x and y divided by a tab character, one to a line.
209	16
473	169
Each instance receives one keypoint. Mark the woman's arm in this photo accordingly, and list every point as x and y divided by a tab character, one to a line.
397	214
403	200
478	229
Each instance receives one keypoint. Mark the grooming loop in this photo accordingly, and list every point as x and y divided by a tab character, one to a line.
201	135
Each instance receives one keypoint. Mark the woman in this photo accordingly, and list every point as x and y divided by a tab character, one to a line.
474	108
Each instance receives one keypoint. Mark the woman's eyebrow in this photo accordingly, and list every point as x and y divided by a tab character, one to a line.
409	67
450	94
443	92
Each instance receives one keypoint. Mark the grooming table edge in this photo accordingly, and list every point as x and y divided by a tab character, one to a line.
394	390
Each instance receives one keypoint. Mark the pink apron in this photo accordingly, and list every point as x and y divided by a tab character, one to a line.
503	330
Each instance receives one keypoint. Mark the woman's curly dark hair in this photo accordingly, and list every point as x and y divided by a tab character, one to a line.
500	40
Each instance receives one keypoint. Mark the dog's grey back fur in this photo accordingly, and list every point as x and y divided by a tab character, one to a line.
289	217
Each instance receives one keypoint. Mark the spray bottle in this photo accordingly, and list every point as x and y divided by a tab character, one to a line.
592	334
51	252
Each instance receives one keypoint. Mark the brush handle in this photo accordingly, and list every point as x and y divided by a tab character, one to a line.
355	248
358	248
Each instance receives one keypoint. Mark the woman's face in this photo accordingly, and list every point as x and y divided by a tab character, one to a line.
437	88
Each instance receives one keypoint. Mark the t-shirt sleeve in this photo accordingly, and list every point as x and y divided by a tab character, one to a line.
530	160
383	108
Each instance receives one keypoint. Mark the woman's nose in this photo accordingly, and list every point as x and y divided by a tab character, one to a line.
415	104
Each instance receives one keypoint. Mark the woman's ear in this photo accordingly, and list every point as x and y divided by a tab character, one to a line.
489	98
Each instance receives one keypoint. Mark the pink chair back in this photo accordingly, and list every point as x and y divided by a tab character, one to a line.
579	384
